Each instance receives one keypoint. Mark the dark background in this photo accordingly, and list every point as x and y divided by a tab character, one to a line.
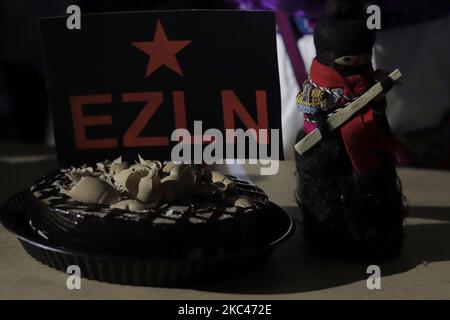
24	112
100	59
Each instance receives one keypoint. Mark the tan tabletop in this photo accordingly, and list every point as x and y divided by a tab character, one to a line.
421	271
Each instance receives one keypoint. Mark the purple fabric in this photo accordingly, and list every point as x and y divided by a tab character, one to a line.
290	42
394	13
312	7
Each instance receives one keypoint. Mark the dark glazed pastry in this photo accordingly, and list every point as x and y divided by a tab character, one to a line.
147	209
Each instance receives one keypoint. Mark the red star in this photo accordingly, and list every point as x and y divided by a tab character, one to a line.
161	51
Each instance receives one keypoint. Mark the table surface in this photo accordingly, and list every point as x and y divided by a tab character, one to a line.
421	271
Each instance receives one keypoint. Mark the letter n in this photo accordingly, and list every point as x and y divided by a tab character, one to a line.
232	105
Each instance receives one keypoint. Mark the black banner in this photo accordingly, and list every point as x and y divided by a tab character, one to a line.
125	81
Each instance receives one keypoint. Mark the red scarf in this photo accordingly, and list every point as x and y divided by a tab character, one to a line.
362	134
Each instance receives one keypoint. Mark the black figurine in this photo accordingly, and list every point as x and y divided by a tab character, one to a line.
348	189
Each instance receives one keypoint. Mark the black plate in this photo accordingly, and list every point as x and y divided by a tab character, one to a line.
142	271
